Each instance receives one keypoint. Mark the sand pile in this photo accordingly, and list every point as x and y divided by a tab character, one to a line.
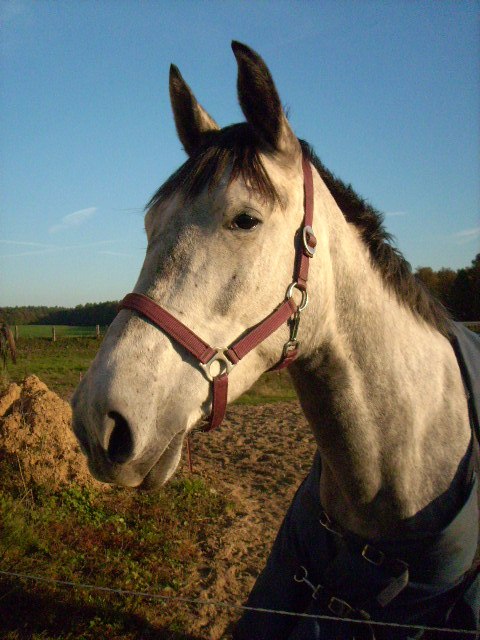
36	437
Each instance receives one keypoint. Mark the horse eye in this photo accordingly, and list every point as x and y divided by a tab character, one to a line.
245	222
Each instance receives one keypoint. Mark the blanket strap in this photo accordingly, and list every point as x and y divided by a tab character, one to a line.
335	606
333	596
395	572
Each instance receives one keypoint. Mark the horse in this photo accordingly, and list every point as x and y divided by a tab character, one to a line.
255	244
7	344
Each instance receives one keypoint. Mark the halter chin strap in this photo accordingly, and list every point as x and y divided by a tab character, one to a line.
217	363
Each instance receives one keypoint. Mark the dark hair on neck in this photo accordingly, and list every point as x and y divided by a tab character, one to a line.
394	268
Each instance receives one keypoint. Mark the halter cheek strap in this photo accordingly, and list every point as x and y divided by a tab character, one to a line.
223	360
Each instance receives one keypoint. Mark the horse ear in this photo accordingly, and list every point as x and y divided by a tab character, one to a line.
191	119
260	102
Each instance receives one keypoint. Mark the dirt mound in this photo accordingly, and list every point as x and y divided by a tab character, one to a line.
8	397
36	438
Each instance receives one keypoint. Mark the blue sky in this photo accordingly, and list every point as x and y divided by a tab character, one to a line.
386	91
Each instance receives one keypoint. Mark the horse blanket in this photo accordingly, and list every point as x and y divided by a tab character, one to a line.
316	568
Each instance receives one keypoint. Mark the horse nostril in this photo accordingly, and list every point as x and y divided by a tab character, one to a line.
120	445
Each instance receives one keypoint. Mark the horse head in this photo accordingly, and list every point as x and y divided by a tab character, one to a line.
222	235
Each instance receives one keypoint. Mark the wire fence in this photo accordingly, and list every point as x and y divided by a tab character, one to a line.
53	332
234	606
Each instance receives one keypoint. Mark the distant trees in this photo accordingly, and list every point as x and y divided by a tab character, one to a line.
459	291
86	315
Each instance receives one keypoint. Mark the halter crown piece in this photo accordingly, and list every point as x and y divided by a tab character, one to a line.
227	358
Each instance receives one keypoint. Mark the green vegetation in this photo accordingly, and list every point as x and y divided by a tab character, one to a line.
61	331
60	365
118	539
459	291
101	313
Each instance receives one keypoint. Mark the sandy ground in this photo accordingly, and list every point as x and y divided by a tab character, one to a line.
256	460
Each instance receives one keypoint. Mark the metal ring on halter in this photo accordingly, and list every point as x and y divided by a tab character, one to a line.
304	300
309	248
222	359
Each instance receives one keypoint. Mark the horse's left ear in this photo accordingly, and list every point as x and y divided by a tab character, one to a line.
191	119
260	102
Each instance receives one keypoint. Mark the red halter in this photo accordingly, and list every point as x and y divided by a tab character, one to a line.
227	358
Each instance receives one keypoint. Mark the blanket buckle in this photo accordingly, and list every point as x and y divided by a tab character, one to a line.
304	578
327	523
340	608
372	555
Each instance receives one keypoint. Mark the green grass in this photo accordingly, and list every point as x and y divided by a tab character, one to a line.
120	539
62	331
60	364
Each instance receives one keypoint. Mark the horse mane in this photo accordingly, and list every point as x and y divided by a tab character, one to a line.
237	147
388	259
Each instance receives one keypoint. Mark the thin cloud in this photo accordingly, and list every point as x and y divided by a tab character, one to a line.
43	249
395	214
22	243
115	253
74	219
31	253
467	235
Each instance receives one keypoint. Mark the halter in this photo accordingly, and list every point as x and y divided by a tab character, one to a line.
225	359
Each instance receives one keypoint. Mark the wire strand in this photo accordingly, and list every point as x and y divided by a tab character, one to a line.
228	605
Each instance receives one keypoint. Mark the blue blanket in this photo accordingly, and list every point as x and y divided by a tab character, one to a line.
315	569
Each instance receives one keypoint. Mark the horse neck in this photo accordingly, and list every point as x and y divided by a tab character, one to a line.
384	396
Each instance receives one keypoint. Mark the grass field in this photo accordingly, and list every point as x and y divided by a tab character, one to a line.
62	331
134	541
61	364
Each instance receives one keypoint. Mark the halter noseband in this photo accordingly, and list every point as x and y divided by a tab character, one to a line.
227	358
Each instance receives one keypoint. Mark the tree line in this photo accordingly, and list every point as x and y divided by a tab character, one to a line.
83	315
459	291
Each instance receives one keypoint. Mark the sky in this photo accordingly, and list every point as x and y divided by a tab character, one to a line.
387	92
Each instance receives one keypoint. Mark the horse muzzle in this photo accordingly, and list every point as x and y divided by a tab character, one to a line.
110	448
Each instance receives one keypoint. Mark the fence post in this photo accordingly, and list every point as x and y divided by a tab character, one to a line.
97	331
54	335
16	332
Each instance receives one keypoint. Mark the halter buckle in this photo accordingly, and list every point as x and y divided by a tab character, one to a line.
309	237
225	365
340	608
